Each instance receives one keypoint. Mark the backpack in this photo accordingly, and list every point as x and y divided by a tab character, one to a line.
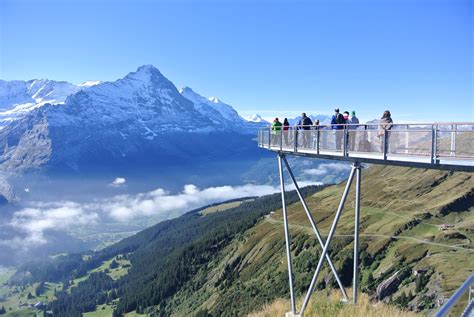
307	123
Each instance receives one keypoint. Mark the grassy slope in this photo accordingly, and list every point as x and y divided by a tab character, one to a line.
223	206
17	295
391	199
101	311
115	274
329	305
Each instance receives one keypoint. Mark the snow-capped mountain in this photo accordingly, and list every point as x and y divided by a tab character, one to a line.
141	118
257	119
217	111
90	83
17	97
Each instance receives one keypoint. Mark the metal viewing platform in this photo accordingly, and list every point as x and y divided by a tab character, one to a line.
436	145
446	146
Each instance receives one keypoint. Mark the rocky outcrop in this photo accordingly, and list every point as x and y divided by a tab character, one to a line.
389	286
6	191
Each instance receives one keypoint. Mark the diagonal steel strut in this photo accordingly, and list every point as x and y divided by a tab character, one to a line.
328	241
287	235
313	225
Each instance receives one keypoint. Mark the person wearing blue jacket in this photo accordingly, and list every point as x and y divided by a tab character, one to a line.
337	124
305	124
354	121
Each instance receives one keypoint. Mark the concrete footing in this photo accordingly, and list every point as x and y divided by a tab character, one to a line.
291	314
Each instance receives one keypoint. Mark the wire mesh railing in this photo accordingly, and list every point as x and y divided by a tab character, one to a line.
431	143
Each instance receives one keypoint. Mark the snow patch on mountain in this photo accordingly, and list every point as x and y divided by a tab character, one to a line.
18	98
213	108
90	83
256	118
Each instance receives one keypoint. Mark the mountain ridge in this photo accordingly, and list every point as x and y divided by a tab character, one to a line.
131	112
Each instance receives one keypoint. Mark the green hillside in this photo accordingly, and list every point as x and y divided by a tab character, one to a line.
231	262
402	210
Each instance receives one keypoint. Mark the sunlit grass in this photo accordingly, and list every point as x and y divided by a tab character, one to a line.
323	305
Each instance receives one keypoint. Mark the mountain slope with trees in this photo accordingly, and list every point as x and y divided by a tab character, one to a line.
416	225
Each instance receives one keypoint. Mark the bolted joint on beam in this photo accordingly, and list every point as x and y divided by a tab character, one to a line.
356	165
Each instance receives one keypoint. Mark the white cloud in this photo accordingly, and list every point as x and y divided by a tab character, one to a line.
126	207
329	168
40	217
36	220
119	181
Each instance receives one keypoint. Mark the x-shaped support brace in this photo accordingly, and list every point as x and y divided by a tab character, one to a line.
325	246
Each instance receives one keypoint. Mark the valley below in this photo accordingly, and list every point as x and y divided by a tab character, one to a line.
228	259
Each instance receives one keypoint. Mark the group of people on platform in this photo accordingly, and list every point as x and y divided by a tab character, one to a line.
339	123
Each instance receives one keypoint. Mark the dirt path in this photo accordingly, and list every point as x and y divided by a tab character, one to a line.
370	235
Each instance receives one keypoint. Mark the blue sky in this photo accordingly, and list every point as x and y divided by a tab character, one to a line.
414	57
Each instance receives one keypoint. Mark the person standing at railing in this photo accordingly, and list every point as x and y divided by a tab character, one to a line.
305	124
347	121
385	126
345	115
337	124
286	127
276	129
316	134
354	122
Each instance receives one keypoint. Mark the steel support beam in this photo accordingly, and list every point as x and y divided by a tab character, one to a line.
287	235
313	225
355	171
356	233
328	241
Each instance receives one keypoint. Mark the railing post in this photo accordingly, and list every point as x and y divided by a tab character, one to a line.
281	139
317	140
269	138
296	139
407	135
344	142
434	135
453	140
385	145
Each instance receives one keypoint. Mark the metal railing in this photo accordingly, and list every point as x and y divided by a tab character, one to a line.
433	143
456	299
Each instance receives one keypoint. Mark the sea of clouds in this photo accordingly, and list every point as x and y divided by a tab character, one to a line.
35	219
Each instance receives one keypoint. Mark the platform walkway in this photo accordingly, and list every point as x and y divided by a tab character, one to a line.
434	145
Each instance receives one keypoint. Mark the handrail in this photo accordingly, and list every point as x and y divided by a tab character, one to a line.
433	145
455	297
378	124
